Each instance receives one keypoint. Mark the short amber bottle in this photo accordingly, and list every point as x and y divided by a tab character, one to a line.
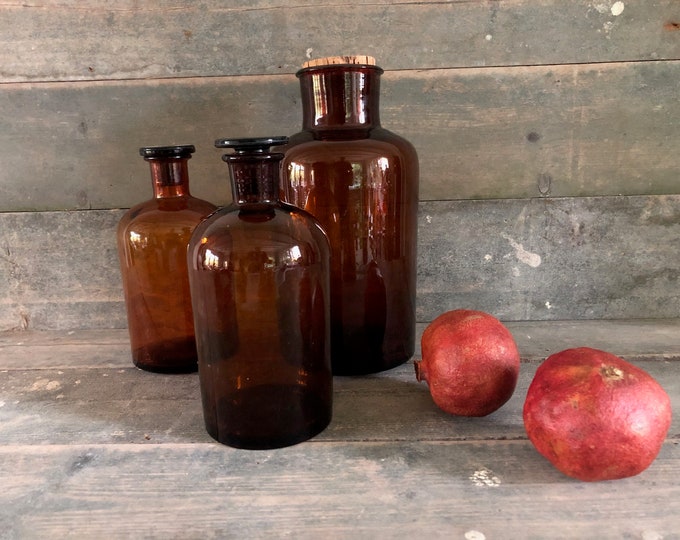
259	272
360	181
152	243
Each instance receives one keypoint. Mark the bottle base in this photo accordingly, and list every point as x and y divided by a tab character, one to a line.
167	370
367	349
172	356
267	417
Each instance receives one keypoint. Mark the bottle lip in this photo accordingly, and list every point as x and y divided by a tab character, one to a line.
349	63
177	150
252	145
352	59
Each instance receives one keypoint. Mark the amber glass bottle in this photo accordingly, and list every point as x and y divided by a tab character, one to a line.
152	243
259	272
361	182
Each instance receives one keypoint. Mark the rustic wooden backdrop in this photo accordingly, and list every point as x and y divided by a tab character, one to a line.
548	135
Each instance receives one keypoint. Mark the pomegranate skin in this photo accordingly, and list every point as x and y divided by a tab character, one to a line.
470	362
595	416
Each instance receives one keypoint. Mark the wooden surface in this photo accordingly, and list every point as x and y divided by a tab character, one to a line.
548	138
91	447
545	130
501	99
496	132
520	259
86	40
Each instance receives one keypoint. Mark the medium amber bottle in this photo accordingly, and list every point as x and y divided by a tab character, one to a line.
259	272
152	243
361	182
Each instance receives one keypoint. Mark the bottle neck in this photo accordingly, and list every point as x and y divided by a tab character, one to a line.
254	179
170	177
340	97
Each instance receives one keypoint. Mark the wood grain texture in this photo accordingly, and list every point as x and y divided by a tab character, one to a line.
535	259
60	268
633	339
102	451
76	146
518	132
542	132
548	139
123	405
45	41
603	258
501	489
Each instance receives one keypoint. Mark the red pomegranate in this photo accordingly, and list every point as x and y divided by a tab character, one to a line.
469	361
595	416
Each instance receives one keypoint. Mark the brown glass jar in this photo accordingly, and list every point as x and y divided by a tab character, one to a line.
361	182
152	244
259	272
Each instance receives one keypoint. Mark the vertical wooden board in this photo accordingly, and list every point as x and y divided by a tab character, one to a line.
47	42
551	259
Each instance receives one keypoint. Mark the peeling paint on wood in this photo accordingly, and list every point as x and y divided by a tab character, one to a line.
600	258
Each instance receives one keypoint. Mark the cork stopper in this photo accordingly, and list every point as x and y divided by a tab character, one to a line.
362	60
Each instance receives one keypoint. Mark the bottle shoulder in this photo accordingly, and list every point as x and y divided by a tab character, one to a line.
271	229
376	140
166	214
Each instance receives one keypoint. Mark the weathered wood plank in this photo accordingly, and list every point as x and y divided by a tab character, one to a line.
126	405
76	146
540	132
500	489
535	259
545	131
586	258
657	339
43	41
119	453
60	268
631	339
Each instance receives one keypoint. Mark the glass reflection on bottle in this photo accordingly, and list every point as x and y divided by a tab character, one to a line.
152	240
259	282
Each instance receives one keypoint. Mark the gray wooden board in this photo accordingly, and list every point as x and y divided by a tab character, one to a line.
501	489
519	259
506	132
60	268
99	449
110	348
43	41
586	258
127	405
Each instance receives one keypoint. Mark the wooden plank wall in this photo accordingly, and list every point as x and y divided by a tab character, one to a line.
547	131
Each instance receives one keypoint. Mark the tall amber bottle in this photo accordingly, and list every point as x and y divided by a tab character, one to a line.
152	244
361	182
259	272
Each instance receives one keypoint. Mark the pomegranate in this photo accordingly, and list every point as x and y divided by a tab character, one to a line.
470	362
595	416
